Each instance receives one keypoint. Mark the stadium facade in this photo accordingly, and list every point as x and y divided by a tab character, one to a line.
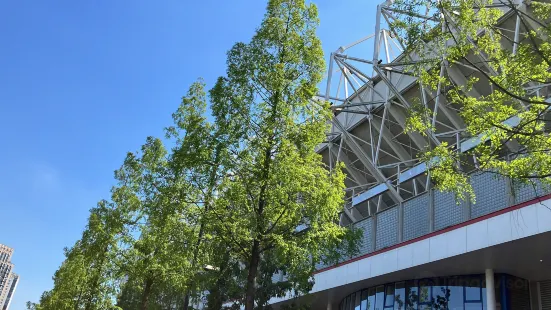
420	249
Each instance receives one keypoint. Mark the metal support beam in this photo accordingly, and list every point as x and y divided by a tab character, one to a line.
355	174
367	161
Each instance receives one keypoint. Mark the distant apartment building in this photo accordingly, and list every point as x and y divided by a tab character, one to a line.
8	279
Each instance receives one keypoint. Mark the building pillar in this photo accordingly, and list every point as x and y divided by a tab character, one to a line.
490	290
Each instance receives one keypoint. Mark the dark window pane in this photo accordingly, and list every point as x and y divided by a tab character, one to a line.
400	296
364	300
380	298
412	295
347	306
357	301
352	299
371	299
389	296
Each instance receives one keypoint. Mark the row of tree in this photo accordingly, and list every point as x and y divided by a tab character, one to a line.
240	197
243	196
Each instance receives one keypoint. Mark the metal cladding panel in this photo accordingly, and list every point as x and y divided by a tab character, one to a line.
525	192
446	211
413	172
387	228
491	194
372	192
366	225
416	217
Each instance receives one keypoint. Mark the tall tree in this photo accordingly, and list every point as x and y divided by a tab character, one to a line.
158	247
277	182
511	117
85	279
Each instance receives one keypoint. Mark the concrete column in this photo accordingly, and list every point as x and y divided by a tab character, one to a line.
490	290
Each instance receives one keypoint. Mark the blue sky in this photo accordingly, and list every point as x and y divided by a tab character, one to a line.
83	82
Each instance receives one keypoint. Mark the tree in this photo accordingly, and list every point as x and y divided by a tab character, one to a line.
158	245
512	116
84	280
277	182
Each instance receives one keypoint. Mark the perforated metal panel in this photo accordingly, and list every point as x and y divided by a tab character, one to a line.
366	225
525	192
416	217
491	194
446	211
387	228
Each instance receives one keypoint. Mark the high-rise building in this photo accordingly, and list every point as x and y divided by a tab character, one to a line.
8	279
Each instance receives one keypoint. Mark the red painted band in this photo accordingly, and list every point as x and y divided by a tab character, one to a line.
445	230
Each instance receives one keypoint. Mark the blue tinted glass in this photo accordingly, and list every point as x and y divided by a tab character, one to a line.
371	299
380	298
473	306
440	295
412	295
400	296
363	303
389	296
472	289
357	301
424	292
455	300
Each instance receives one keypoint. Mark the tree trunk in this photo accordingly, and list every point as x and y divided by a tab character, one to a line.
251	277
186	300
146	293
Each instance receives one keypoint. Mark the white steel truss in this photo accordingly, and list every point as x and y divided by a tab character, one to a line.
371	96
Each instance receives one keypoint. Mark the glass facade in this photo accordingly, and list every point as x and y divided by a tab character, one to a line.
444	293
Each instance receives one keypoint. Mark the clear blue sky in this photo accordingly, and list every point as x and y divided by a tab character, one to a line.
83	82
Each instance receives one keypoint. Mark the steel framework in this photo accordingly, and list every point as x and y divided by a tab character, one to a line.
370	98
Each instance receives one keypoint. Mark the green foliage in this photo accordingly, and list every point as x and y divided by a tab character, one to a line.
277	181
221	210
463	33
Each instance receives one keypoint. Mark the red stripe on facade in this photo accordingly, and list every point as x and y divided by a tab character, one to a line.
445	230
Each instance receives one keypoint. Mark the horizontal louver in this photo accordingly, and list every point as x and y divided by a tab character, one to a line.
545	294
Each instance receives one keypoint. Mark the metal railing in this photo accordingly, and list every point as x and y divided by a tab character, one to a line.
433	211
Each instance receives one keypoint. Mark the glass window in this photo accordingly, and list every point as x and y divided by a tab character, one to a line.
440	294
456	296
412	295
472	289
473	306
425	291
347	304
389	296
357	301
352	300
400	296
364	300
380	298
371	299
